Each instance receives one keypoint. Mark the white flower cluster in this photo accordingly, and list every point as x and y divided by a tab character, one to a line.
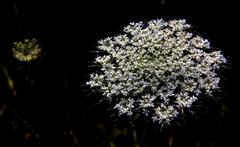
156	68
26	51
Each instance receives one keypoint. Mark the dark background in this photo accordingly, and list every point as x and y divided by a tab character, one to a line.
56	108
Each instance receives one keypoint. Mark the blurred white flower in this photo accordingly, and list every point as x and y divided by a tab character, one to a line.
157	68
26	51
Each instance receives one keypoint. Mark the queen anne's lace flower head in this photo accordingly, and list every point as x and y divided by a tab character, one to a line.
157	69
26	51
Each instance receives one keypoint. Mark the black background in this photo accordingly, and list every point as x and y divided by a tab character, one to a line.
68	32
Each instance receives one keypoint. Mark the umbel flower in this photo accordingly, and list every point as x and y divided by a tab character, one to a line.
26	51
156	68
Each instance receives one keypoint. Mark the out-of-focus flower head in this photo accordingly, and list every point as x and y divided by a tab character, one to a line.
27	50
